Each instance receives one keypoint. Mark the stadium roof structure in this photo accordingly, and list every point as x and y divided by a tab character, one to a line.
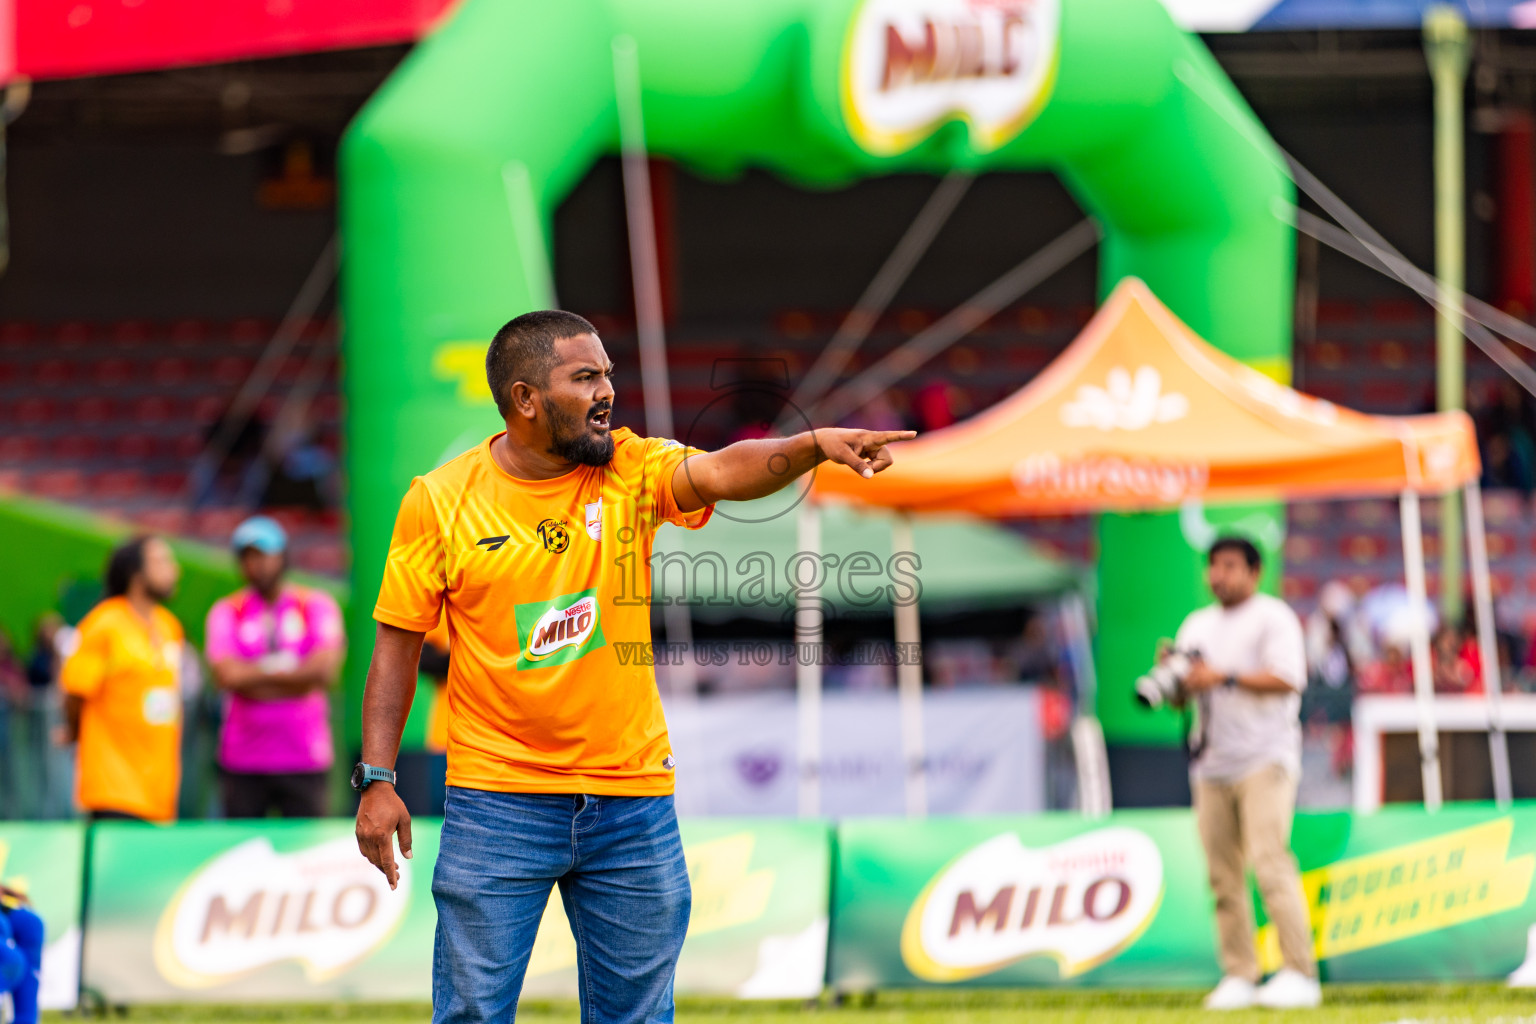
1139	412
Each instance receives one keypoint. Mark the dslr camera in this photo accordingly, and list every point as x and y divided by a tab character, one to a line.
1165	680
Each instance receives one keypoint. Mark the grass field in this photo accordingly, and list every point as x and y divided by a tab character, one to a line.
1345	1003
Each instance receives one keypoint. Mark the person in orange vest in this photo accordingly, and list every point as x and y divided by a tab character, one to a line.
122	690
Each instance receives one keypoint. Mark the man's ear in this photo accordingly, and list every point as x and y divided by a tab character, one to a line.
524	402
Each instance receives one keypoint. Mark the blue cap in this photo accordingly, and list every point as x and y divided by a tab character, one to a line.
262	533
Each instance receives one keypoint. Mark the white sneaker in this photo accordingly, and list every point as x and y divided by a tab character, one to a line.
1233	993
1289	990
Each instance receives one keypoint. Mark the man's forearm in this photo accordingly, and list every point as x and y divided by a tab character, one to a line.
1264	682
751	469
387	694
251	681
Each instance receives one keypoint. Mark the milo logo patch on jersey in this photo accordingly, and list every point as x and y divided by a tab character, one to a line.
558	631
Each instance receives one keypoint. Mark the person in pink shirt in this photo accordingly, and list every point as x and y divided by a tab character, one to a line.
275	649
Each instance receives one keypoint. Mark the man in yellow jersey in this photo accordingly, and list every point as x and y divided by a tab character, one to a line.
122	690
536	542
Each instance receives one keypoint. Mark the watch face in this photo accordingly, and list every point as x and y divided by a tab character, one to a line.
358	782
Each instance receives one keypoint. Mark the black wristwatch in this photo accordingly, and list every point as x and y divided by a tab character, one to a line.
365	775
1230	682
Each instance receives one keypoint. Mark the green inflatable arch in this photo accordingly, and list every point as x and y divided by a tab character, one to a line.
451	174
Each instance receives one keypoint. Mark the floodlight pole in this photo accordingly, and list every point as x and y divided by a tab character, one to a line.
1448	48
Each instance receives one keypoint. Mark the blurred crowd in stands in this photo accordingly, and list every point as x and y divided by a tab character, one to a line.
1506	431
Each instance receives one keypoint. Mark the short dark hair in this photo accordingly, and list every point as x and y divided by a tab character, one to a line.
1242	545
125	562
524	350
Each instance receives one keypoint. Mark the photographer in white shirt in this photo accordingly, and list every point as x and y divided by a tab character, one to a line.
1246	683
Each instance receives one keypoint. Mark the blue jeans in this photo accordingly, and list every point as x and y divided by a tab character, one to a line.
619	864
21	960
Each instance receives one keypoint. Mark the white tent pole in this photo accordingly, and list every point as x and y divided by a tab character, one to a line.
1488	643
909	682
1088	750
808	620
1423	678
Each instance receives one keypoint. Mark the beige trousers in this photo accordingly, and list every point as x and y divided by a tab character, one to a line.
1248	823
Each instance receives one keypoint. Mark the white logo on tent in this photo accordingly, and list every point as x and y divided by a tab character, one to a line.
1125	402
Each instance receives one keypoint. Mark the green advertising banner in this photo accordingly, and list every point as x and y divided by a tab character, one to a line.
1399	894
44	860
1123	902
759	922
1044	900
276	910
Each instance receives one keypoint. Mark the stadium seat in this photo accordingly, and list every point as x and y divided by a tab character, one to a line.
18	334
169	482
75	447
15	448
1504	507
165	520
1338	313
1502	545
216	524
93	409
113	372
250	331
189	333
208	408
326	408
52	373
61	484
74	334
232	369
35	411
1371	512
1302	548
135	446
327	558
1362	548
1299	587
117	484
129	333
186	446
153	409
1324	355
168	371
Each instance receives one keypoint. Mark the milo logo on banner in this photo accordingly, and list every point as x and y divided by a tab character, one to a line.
558	631
910	65
1079	902
324	907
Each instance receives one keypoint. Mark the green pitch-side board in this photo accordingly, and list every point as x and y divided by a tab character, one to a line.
450	175
1058	900
289	910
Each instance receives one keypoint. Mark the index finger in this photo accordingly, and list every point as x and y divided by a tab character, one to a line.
887	436
381	854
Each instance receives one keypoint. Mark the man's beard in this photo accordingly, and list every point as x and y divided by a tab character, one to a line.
573	442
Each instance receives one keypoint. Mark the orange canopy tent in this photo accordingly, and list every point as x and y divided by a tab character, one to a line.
1140	412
